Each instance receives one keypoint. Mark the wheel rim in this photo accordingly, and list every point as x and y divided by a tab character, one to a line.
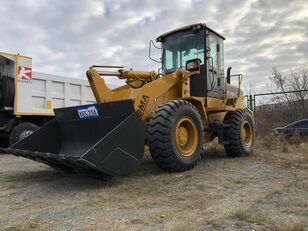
246	134
25	134
186	134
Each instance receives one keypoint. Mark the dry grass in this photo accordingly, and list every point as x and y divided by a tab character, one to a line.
272	222
267	191
292	152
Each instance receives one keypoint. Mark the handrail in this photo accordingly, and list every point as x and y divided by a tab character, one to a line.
240	79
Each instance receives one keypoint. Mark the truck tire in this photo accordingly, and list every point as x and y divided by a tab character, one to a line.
21	131
240	133
7	91
175	136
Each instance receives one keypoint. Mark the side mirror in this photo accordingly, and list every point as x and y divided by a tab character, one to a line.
193	65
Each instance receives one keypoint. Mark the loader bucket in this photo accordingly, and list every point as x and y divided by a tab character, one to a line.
99	138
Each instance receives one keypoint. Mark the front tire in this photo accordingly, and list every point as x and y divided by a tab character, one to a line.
240	133
176	136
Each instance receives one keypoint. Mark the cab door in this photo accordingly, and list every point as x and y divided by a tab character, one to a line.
215	63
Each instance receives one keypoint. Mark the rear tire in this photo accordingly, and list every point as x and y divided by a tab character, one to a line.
241	133
22	131
175	136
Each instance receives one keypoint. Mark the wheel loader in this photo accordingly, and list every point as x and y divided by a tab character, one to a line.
171	113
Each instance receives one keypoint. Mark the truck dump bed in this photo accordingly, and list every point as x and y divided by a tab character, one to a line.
35	93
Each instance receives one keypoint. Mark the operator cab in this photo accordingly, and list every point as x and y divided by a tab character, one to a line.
196	41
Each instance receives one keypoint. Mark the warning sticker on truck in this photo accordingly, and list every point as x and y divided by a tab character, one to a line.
87	112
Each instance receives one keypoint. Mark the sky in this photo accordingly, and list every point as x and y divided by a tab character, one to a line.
66	37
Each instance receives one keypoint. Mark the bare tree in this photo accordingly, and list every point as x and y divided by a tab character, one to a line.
294	88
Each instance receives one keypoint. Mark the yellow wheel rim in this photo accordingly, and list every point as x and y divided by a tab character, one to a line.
186	136
246	134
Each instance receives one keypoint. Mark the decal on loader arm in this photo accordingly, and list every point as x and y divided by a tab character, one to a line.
143	104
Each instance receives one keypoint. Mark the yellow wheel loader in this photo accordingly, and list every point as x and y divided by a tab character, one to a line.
171	113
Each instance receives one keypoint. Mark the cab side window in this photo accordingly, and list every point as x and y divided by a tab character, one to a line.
213	50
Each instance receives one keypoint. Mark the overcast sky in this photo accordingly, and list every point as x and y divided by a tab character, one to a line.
66	37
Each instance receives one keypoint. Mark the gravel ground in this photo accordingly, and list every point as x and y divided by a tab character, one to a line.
267	191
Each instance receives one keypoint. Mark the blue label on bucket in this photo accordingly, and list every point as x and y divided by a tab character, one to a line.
88	112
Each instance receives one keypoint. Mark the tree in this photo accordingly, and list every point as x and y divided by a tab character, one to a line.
294	91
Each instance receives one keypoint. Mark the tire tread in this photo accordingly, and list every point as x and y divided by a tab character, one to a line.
160	127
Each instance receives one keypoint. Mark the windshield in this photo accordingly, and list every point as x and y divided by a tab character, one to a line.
180	47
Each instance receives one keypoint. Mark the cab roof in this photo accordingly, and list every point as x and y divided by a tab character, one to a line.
188	27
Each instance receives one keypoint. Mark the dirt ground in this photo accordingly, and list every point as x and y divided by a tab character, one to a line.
267	191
